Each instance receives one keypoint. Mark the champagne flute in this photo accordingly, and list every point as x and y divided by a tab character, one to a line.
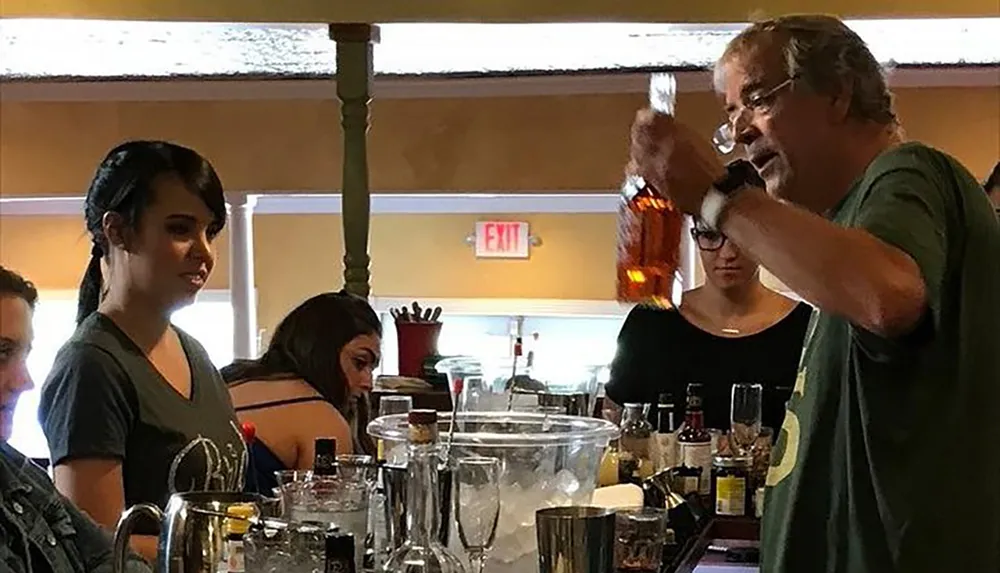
477	506
745	416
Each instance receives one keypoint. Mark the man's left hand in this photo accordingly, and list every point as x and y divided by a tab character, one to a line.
674	159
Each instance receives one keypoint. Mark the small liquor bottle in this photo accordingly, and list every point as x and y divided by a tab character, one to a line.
339	552
665	439
634	462
325	458
694	442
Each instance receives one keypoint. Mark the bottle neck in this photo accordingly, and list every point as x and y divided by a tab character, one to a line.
633	413
694	419
665	423
422	518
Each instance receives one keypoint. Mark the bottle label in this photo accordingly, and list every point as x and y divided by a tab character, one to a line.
235	562
730	496
628	467
665	452
339	566
689	484
699	455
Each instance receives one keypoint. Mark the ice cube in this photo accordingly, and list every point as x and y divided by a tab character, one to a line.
565	482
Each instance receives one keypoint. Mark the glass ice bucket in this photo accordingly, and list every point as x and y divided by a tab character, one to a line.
493	384
547	461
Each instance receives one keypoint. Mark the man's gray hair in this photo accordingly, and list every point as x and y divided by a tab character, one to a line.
825	55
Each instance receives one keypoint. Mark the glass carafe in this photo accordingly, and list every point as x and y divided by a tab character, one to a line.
422	552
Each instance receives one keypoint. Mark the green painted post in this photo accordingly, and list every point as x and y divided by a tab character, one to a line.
354	87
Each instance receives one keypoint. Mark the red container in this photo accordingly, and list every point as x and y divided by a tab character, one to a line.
416	341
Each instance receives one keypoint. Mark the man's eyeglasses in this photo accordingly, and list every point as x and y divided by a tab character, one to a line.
724	138
708	240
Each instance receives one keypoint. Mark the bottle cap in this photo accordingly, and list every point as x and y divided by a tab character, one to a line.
662	93
422	417
326	447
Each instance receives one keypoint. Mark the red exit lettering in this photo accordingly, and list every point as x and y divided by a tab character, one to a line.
502	237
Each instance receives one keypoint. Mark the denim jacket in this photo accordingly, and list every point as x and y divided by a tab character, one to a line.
43	532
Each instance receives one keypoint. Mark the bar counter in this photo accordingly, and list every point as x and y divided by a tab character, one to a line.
719	532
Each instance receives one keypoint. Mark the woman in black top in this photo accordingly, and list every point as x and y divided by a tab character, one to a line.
312	382
133	409
732	329
992	187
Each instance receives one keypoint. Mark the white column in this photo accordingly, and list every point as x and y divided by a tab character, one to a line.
241	277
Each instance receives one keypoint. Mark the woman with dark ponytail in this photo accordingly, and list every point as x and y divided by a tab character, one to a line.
133	409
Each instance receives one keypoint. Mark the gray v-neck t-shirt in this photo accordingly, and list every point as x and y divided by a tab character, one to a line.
105	399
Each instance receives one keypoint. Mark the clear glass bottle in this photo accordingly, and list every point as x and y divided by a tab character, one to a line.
634	461
694	442
649	226
422	552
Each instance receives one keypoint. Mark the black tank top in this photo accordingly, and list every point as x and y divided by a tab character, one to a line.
660	351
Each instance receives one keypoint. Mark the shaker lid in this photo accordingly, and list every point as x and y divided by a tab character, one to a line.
422	417
326	447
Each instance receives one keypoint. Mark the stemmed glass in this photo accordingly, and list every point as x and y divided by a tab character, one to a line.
477	506
745	416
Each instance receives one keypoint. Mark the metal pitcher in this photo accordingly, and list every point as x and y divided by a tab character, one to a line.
192	536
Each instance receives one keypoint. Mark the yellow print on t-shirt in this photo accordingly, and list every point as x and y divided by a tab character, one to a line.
789	455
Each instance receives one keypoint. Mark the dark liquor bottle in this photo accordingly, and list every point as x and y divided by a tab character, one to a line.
325	457
339	552
694	442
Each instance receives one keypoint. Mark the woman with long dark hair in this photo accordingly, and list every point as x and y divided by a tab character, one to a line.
312	382
133	409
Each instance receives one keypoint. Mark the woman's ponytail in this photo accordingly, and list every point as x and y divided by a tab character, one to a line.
90	286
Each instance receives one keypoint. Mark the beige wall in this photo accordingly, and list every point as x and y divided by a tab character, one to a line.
477	144
537	144
297	256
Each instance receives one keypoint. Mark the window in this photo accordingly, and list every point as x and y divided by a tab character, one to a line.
210	320
574	333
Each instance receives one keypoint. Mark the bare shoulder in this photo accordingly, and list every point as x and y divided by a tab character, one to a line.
319	420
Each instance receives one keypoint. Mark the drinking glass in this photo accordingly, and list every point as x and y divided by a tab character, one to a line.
639	538
477	506
393	453
746	417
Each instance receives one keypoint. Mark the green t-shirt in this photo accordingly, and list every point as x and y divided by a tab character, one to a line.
889	457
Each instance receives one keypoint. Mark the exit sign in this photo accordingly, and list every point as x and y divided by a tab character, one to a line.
502	240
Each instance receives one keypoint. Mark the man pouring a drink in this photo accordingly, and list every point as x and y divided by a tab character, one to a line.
895	244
